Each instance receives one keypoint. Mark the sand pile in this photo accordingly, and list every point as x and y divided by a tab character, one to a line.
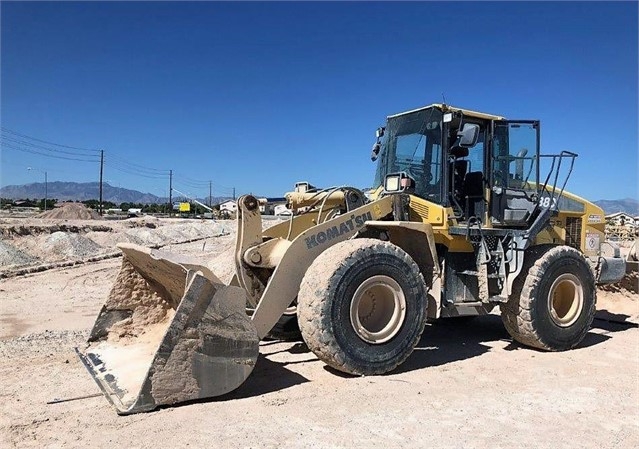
13	257
71	211
63	245
147	304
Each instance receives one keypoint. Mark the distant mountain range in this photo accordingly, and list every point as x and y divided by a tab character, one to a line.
627	205
63	191
75	191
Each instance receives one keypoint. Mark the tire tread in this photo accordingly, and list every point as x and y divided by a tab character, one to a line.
313	314
516	314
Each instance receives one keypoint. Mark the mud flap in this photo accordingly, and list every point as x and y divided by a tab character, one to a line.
169	333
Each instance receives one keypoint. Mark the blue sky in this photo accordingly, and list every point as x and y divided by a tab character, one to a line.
257	96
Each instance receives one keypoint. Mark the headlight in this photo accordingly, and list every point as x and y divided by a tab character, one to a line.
391	184
398	182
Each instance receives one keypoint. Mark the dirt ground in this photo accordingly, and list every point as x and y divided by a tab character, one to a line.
466	385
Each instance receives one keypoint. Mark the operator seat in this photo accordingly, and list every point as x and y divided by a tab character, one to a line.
474	194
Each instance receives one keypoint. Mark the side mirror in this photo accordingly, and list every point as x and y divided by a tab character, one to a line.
375	151
468	135
380	132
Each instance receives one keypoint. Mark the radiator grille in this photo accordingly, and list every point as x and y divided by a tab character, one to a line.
573	232
418	211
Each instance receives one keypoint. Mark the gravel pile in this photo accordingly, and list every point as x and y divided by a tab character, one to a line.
62	245
110	239
145	236
13	257
73	243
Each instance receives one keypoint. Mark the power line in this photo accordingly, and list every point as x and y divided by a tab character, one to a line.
198	183
13	140
54	156
124	161
42	147
135	172
47	142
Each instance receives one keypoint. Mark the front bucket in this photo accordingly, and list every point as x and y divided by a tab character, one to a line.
169	332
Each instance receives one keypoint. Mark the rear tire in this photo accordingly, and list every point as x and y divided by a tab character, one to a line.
552	304
362	306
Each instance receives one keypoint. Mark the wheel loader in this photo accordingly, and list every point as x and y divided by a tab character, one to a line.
465	215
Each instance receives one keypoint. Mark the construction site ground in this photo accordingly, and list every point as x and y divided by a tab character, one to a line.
466	385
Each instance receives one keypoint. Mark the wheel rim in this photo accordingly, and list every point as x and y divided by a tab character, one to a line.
378	309
566	300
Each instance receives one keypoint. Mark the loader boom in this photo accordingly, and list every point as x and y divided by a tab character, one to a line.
285	281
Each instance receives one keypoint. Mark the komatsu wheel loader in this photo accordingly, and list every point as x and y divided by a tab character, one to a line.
466	215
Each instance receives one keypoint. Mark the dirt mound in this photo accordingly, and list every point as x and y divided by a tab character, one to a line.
13	257
62	245
146	221
71	211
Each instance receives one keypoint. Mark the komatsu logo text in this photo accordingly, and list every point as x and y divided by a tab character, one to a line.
331	233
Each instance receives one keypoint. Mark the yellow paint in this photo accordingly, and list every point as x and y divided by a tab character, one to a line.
441	219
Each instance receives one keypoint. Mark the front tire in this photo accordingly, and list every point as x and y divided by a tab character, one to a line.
552	304
362	306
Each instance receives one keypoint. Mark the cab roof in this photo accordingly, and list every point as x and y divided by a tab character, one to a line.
447	108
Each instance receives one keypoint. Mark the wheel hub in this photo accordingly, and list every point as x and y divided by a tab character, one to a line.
566	300
378	309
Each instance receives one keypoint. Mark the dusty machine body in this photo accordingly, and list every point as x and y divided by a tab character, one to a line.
466	215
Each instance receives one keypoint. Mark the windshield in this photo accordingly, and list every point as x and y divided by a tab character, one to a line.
412	144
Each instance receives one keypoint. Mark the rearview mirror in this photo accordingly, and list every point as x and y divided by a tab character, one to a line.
468	135
375	151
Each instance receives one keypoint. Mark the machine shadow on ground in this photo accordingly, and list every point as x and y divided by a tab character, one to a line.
450	340
444	341
267	377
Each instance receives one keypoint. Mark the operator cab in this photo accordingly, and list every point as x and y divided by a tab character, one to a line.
482	166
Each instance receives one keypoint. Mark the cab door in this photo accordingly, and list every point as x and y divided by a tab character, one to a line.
514	164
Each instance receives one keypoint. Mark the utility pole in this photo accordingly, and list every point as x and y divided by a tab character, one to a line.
170	191
210	190
101	171
233	193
